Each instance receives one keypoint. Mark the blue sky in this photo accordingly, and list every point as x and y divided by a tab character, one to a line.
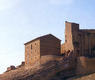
23	20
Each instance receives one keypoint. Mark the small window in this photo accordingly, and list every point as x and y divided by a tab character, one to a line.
65	40
31	46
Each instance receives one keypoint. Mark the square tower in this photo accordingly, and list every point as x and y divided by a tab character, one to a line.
44	45
71	35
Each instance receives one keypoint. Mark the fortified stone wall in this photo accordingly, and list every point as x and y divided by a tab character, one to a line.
85	65
80	41
87	40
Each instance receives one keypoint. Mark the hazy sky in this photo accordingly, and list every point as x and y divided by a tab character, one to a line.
23	20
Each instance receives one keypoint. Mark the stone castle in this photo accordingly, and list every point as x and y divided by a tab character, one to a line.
77	53
79	41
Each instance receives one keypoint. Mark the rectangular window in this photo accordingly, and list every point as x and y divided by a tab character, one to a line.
31	48
65	40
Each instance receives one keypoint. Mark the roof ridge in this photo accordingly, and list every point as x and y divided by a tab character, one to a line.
41	37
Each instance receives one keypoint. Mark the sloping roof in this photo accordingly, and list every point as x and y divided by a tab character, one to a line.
71	22
40	38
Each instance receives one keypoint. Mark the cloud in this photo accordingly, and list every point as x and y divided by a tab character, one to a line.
6	4
61	2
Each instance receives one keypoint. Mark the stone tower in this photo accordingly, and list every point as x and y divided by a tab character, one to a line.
44	45
71	35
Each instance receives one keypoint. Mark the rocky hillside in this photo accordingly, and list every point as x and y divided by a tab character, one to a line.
47	71
53	68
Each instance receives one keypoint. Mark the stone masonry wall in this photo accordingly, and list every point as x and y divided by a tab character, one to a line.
80	41
46	45
32	52
68	37
85	65
50	46
87	42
